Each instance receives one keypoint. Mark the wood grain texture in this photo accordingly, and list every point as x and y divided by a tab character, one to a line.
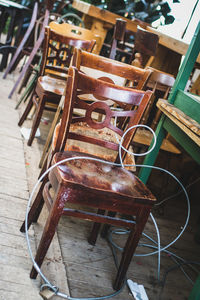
177	114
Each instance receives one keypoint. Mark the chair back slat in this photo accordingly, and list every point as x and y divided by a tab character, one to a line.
88	62
58	48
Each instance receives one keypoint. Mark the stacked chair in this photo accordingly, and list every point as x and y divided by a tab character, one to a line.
60	40
96	99
160	83
141	53
105	69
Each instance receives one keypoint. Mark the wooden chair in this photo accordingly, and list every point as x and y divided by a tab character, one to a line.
160	83
140	53
90	184
37	45
23	41
116	48
34	68
106	69
118	36
144	49
58	49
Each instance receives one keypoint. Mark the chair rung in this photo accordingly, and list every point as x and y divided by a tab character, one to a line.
98	218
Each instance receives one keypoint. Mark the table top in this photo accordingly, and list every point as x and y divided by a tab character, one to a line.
108	17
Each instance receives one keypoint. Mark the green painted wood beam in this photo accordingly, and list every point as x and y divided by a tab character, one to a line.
187	65
188	104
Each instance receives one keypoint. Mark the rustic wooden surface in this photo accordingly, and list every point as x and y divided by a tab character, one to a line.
14	258
187	124
88	270
18	175
169	51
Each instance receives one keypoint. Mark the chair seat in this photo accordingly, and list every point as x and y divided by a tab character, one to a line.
100	176
51	85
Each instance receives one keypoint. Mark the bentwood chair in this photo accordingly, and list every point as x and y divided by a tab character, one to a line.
58	50
139	52
91	184
110	50
144	49
160	83
105	69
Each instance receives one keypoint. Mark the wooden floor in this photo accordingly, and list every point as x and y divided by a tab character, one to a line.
71	262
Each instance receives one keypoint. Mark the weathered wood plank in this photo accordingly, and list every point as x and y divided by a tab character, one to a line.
10	291
179	115
13	210
23	295
16	275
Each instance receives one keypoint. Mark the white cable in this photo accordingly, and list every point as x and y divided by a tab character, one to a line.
179	192
132	127
139	154
158	237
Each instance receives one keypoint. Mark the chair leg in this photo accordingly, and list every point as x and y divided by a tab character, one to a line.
36	120
130	247
45	164
49	231
95	229
29	90
36	207
50	135
106	227
26	112
25	79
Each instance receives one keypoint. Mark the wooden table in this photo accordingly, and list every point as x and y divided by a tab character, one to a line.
16	12
169	52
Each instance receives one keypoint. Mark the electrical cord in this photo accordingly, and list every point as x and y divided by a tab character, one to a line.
47	282
178	193
172	255
174	268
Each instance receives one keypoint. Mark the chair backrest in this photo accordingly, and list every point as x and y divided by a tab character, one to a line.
145	44
110	70
116	48
160	83
74	31
118	36
78	85
58	49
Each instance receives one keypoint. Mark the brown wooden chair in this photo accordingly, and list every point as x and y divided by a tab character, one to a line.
118	49
58	50
160	83
144	49
139	52
106	69
118	36
23	41
48	5
91	184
